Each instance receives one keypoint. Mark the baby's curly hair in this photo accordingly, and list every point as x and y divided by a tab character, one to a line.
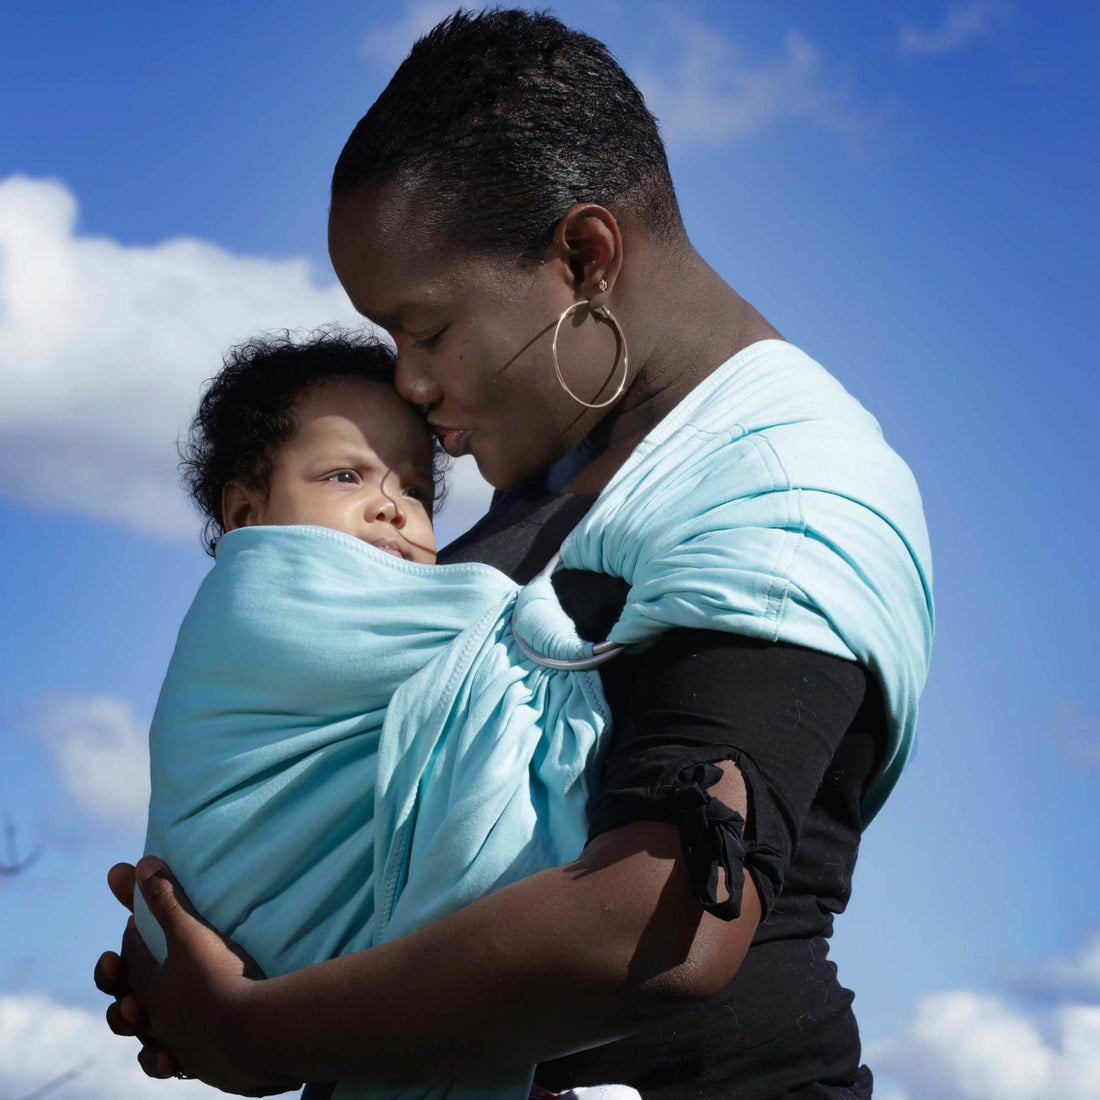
246	411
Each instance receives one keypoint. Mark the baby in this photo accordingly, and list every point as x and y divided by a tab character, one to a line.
348	744
315	434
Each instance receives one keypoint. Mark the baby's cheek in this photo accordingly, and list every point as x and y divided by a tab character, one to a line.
422	539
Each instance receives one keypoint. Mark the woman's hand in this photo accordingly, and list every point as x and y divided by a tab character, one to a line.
190	1013
566	959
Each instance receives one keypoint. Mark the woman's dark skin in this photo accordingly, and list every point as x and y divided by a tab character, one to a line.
576	955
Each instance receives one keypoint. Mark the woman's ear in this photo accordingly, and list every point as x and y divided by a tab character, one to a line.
588	237
241	506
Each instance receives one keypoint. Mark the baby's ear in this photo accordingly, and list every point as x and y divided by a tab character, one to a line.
241	506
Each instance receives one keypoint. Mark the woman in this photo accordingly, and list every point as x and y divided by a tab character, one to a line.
506	189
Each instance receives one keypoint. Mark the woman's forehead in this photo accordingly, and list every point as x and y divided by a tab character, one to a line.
379	228
390	262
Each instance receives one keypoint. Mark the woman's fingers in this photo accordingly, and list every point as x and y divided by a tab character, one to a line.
117	1022
110	974
167	902
156	1062
131	1014
142	970
166	1064
120	878
114	973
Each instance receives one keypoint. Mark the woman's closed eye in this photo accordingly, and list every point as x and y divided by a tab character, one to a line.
431	339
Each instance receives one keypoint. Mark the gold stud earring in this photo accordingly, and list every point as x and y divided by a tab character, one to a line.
603	284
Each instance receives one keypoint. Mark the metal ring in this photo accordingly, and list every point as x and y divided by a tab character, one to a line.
602	652
604	314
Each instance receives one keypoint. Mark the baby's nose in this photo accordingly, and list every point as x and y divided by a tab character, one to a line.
387	510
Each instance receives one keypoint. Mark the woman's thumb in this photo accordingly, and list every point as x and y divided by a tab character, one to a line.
165	898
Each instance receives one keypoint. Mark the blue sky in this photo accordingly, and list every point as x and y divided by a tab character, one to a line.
907	191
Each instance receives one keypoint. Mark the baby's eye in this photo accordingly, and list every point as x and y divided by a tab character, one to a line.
416	493
344	477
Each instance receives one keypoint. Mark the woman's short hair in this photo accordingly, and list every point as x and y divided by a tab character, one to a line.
247	411
499	121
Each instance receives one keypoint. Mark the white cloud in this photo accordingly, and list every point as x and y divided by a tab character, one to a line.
713	95
962	24
41	1040
101	751
104	348
391	44
967	1046
1061	979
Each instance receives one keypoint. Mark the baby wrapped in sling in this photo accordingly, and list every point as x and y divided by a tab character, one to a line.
349	745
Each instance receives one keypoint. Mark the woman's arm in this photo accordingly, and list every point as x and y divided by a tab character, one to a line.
566	959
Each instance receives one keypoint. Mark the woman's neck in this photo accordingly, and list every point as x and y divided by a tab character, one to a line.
702	322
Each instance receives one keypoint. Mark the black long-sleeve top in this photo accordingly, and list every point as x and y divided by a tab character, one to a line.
804	728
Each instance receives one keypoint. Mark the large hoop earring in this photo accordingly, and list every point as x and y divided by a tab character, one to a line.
601	313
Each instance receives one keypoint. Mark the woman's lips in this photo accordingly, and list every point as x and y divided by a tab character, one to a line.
455	441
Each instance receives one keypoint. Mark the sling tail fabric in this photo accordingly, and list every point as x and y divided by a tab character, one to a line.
348	746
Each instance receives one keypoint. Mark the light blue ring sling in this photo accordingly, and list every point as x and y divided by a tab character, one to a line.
348	746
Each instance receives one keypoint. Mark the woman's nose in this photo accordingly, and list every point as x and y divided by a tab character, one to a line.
413	384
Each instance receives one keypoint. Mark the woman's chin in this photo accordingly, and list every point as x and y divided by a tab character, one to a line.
491	468
502	476
502	470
